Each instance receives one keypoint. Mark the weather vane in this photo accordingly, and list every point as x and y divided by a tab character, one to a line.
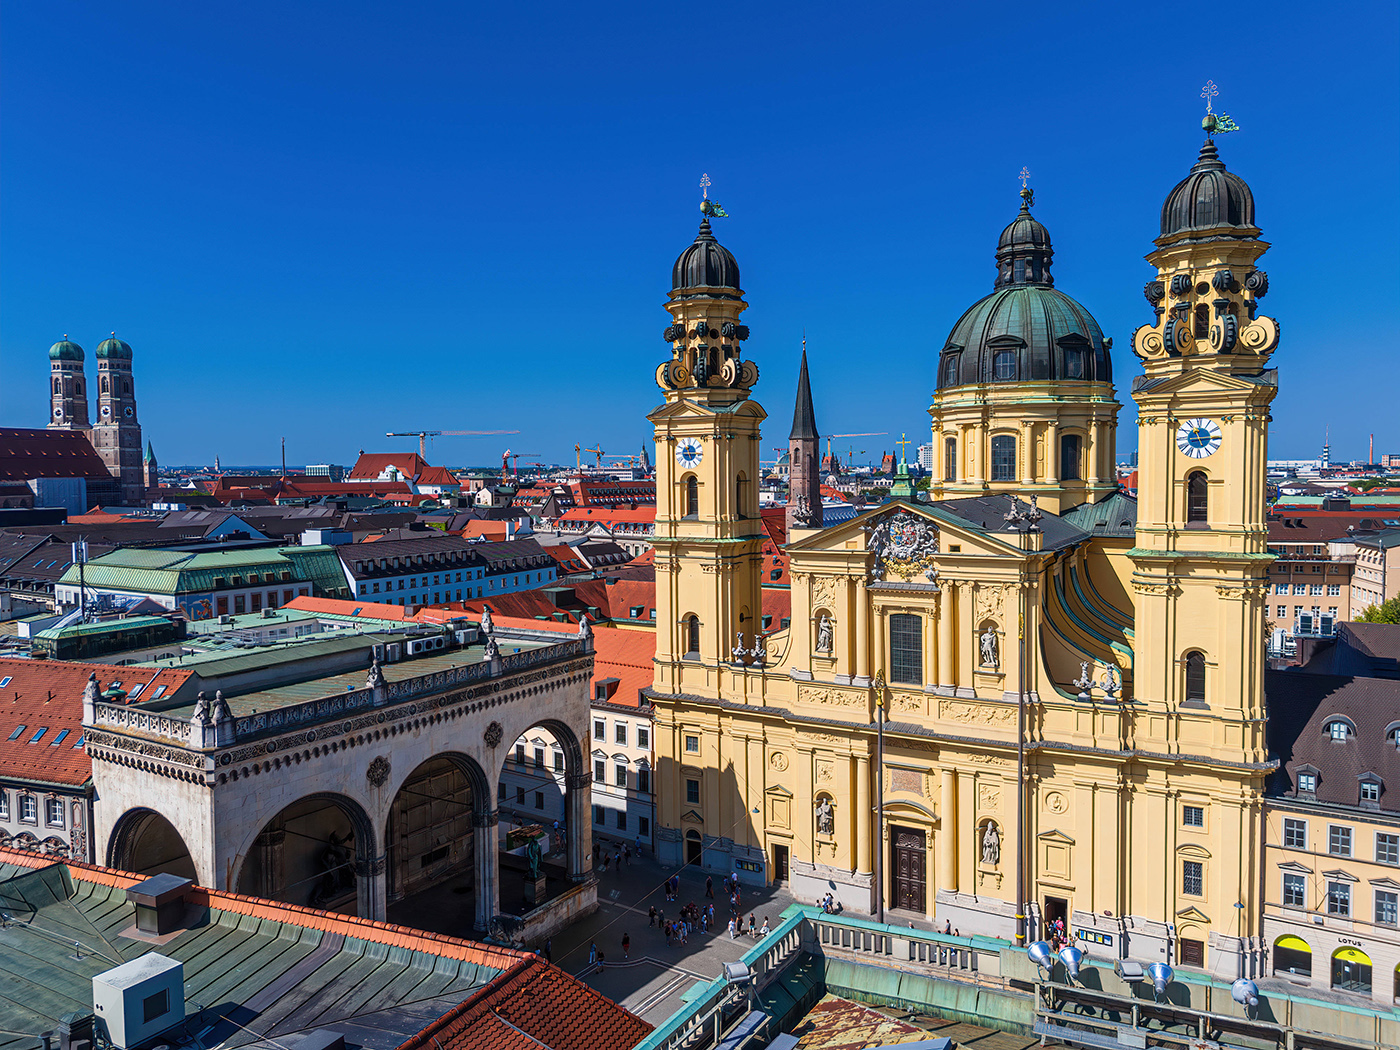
1215	123
1025	177
1027	194
707	206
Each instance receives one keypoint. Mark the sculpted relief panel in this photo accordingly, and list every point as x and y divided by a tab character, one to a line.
996	715
831	697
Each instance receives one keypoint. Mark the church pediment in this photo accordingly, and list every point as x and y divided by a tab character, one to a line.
1195	381
1193	914
778	789
690	816
1055	836
910	530
684	409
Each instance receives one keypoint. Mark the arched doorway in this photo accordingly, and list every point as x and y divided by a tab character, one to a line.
1292	955
433	841
694	847
1351	971
146	843
311	853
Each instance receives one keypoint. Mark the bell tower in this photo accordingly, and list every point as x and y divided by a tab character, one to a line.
117	434
68	403
804	508
709	534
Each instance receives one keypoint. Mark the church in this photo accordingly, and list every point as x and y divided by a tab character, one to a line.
1031	699
116	436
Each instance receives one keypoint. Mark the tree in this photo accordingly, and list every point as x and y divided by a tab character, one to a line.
1385	612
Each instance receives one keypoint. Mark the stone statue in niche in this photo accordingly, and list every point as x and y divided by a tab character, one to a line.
824	634
991	844
990	646
826	817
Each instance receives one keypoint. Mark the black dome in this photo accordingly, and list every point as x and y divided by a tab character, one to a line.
705	264
1033	331
1208	198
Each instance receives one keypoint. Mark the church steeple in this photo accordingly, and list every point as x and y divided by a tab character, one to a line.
804	507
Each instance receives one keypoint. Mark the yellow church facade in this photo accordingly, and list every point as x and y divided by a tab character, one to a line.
1032	699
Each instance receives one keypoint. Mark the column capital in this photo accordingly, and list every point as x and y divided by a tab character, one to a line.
371	867
485	818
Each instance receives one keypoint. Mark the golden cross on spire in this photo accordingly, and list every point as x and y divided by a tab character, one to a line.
1025	177
1208	93
705	187
903	444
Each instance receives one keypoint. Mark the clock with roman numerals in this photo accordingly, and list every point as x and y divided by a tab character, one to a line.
1198	438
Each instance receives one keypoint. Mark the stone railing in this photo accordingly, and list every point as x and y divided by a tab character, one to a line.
136	720
975	959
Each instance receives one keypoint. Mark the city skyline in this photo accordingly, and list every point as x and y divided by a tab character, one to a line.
247	219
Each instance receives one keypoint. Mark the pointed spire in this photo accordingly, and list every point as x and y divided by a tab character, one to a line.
804	418
150	453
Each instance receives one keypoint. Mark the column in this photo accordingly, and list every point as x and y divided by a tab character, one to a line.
862	638
579	814
947	673
1027	452
1092	454
948	833
1052	452
978	470
878	642
370	890
486	870
865	817
937	474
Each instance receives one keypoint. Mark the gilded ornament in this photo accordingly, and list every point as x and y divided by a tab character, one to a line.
903	544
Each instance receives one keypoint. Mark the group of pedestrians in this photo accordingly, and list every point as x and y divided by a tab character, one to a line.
736	927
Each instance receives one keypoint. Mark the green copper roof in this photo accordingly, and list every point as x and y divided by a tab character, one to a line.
114	347
179	572
65	350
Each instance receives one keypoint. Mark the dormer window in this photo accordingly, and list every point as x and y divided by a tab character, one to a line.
1370	794
1307	783
1004	364
950	369
1339	729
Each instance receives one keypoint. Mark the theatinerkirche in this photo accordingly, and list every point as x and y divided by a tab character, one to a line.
1031	698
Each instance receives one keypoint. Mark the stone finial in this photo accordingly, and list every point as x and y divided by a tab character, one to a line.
91	693
493	651
585	629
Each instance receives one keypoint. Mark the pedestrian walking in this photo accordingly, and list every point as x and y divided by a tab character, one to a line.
753	924
605	862
617	862
548	950
731	929
709	886
627	941
651	915
639	847
600	962
763	932
592	952
627	855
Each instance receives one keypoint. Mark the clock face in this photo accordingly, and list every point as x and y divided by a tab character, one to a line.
1198	438
689	453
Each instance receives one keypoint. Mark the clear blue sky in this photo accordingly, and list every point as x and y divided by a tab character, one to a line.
326	221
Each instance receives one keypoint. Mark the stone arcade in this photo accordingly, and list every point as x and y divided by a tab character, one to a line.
353	790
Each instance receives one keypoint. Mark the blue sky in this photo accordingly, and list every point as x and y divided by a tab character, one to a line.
326	221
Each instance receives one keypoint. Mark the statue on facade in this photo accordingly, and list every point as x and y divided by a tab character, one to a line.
375	678
826	817
91	693
534	858
201	709
825	642
486	619
990	648
585	629
991	844
493	651
221	710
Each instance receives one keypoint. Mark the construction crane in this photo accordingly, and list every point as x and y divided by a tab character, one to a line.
881	433
423	435
578	462
508	467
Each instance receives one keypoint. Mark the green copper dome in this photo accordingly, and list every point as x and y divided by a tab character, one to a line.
1026	329
114	347
65	350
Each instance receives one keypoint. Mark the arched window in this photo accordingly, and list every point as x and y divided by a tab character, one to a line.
1004	458
1074	363
692	497
1004	364
692	635
950	459
1069	457
950	369
1197	502
1202	325
1196	677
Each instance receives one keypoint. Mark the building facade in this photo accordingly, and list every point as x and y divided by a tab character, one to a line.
436	569
988	711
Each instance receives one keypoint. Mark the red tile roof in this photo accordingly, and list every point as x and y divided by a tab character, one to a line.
371	464
532	1006
627	656
491	529
339	607
48	695
437	476
612	515
27	453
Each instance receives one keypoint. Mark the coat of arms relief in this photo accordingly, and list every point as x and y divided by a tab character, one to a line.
902	547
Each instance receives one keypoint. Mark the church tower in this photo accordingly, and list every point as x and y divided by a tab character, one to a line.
804	507
1201	559
709	532
117	435
68	403
150	471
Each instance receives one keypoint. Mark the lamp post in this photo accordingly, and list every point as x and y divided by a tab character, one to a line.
1024	522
